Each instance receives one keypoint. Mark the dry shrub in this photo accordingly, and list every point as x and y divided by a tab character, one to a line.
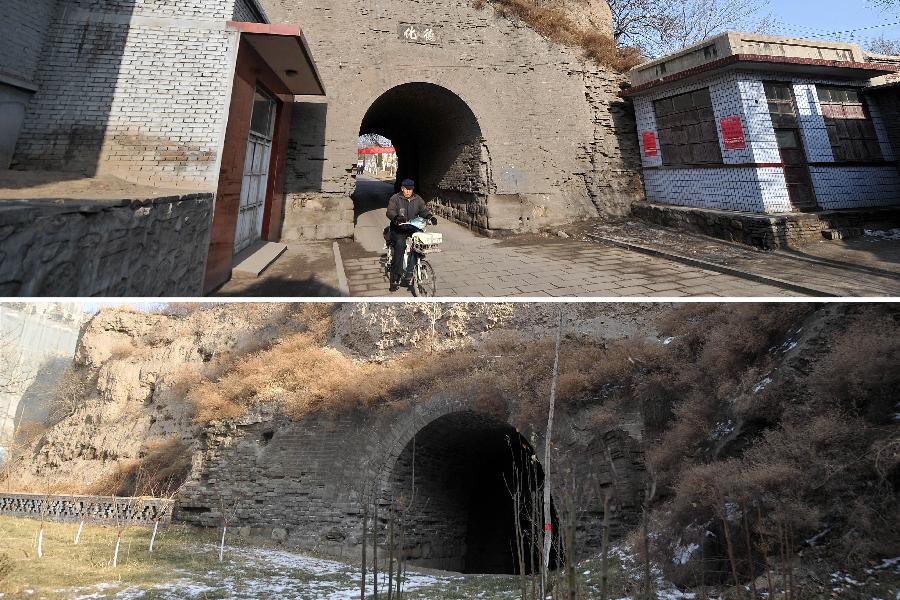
555	24
302	376
861	373
161	470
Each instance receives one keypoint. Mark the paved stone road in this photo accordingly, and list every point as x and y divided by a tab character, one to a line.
529	266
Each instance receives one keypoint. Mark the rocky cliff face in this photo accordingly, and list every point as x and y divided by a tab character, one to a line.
132	370
127	384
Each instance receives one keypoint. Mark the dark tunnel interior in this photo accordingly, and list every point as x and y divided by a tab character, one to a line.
436	135
462	516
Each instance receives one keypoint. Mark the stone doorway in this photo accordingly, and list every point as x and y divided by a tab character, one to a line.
439	144
462	514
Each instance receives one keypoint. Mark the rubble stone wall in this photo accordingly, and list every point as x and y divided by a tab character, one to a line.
153	247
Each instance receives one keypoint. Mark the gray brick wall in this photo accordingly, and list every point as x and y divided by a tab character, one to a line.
246	12
309	476
23	28
138	90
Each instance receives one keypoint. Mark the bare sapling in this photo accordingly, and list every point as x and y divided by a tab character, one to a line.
729	546
119	520
604	551
365	528
548	522
85	509
392	512
169	496
749	546
375	550
648	591
227	515
514	489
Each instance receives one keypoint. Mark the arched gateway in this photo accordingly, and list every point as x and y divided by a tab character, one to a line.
511	132
314	478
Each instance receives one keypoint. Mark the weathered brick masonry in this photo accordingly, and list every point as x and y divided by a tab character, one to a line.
553	142
311	477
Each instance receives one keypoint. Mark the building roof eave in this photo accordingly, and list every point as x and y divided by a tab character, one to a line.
769	64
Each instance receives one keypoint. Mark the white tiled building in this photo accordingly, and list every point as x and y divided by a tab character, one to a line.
752	123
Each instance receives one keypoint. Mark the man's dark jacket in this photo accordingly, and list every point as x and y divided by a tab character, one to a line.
408	209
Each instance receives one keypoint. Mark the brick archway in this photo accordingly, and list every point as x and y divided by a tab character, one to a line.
469	486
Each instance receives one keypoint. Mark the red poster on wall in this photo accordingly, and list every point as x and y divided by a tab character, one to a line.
733	133
649	139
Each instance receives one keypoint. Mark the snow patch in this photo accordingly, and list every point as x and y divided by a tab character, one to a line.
684	553
883	234
762	385
668	341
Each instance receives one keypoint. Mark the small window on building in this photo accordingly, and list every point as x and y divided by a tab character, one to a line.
262	115
850	130
687	130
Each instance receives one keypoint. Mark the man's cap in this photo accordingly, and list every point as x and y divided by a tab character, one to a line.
408	183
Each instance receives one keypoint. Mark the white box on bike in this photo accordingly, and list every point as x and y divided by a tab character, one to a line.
426	242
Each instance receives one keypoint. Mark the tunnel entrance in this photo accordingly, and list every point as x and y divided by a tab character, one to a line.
438	144
472	488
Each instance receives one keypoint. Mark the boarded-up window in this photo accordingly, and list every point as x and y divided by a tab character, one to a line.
687	129
850	129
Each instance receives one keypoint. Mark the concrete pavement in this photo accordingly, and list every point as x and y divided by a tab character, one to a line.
528	266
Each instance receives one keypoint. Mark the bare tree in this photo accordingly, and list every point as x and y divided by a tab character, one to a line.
883	45
659	27
548	527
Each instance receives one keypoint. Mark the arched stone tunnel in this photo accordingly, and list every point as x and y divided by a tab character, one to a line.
437	137
459	480
315	477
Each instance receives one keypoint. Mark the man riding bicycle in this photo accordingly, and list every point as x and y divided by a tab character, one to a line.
402	208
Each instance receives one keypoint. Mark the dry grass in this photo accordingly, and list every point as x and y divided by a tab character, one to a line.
555	24
162	468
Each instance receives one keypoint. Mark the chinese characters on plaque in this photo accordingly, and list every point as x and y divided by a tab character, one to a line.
417	33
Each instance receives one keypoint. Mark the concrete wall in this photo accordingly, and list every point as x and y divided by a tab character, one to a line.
128	248
557	142
133	88
38	343
753	185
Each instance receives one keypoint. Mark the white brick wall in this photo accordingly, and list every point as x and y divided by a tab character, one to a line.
856	187
763	189
142	99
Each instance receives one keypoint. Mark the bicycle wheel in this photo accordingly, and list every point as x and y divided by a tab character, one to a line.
424	282
386	261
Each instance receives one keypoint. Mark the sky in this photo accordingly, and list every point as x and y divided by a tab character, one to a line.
822	18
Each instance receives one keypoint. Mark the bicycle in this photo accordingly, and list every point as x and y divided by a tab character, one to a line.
420	244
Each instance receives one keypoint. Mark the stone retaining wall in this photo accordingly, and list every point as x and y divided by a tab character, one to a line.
96	509
768	231
151	247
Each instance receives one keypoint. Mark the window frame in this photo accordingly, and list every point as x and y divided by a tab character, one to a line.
863	145
687	131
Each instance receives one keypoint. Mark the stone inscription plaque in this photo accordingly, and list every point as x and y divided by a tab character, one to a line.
418	33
